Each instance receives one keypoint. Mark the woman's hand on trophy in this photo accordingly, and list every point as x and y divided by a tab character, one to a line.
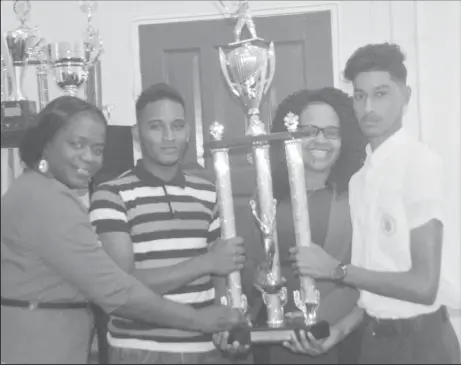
313	261
226	255
220	318
221	341
303	342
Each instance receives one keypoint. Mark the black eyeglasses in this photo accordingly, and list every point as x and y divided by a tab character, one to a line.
328	132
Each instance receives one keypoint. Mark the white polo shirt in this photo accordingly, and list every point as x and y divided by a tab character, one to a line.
400	187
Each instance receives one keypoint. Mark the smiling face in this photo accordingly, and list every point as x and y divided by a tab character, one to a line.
75	154
320	153
162	132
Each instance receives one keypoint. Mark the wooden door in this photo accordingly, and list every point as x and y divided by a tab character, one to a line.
185	55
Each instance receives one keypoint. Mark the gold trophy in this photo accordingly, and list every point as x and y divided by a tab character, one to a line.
71	62
248	67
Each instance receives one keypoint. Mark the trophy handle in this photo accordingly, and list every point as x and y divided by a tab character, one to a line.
223	62
271	66
94	51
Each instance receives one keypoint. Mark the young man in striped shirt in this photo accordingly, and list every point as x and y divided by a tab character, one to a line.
162	225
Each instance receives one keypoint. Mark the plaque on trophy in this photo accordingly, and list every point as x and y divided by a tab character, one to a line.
248	67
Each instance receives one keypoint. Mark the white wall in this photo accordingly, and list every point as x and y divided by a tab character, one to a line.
428	31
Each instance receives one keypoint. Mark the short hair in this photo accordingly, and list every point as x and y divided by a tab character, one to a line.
49	121
377	57
352	141
156	92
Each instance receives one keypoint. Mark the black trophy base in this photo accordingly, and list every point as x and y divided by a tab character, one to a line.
261	333
17	117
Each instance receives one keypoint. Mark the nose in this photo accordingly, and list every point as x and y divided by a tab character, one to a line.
168	134
368	105
88	155
321	137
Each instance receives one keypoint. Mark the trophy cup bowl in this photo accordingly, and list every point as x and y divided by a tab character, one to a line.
248	68
70	62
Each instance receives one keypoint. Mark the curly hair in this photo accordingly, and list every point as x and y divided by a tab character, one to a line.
352	147
50	120
377	57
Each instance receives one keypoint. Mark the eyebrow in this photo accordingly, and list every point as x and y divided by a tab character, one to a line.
387	87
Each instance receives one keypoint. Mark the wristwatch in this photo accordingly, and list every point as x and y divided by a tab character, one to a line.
340	272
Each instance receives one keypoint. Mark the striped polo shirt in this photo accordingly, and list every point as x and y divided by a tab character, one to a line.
169	222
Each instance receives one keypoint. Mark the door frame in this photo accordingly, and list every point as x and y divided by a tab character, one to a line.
266	11
302	7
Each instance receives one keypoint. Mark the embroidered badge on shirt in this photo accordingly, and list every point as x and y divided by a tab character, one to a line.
388	224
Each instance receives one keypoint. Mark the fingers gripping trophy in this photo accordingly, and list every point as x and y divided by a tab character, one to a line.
248	66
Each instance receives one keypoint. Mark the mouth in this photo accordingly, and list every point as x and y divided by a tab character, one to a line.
84	173
169	149
369	121
319	153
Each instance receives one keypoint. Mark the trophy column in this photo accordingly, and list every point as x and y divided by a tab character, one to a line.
248	67
234	297
308	298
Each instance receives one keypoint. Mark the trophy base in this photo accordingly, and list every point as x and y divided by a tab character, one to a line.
17	117
261	333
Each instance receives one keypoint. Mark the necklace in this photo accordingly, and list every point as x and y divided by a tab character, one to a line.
312	191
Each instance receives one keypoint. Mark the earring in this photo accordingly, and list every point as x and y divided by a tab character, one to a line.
43	166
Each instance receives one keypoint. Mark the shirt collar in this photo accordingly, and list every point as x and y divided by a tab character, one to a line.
147	177
386	148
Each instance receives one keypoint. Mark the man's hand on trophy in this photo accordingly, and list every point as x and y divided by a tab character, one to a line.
221	341
220	318
303	342
226	255
313	261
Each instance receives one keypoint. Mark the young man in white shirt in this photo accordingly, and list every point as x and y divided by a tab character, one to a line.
396	208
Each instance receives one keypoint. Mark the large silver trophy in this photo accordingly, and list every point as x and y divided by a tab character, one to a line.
248	67
71	62
20	49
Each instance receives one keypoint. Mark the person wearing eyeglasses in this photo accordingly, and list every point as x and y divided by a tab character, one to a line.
332	152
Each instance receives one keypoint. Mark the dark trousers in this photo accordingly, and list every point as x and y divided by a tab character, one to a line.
425	339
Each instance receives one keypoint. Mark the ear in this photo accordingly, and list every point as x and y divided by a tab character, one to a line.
135	133
45	151
407	91
135	136
189	134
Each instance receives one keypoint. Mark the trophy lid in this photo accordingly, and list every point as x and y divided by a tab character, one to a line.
91	36
22	10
